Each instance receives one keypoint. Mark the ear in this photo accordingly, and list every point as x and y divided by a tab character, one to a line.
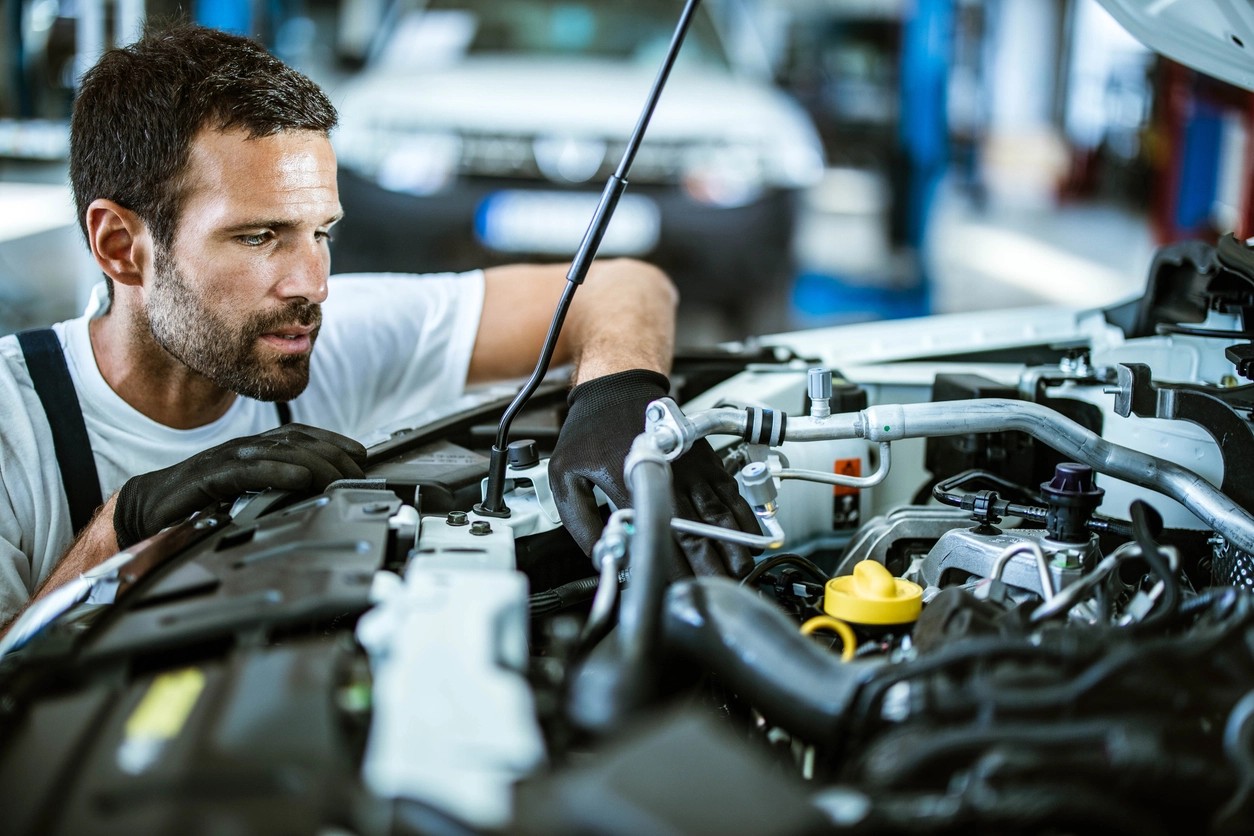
119	241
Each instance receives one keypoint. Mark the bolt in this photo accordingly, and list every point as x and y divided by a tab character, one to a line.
655	412
665	441
457	518
480	528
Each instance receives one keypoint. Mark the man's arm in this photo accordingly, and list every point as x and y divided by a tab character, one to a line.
95	543
292	457
620	334
623	317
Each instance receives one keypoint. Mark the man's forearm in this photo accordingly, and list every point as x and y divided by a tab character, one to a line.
622	318
95	544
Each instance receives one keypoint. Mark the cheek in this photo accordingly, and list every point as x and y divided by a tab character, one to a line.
231	288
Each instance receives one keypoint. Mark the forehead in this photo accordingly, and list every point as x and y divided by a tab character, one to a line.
288	175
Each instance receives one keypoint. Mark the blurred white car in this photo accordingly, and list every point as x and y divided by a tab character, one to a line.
482	132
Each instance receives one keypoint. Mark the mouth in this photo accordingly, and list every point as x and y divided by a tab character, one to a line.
293	339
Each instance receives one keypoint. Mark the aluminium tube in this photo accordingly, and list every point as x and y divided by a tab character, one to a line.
892	422
888	423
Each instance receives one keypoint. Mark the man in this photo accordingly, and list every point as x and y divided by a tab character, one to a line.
205	185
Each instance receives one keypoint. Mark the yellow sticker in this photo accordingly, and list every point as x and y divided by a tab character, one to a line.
164	710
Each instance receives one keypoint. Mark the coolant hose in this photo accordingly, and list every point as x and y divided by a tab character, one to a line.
652	549
758	652
620	675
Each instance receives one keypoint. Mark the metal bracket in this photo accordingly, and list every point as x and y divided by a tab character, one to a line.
1223	413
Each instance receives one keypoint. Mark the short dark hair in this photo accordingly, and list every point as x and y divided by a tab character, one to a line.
139	107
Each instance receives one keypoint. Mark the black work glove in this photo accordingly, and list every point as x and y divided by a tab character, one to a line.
294	457
606	415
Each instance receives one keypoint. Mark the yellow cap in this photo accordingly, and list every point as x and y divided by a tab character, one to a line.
871	595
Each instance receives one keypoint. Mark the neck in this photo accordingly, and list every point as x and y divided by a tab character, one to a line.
149	378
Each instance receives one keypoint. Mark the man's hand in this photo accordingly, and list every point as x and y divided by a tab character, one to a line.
293	457
606	414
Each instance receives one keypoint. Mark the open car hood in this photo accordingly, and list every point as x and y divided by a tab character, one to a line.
1215	37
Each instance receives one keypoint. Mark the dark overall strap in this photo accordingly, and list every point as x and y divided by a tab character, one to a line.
51	377
285	412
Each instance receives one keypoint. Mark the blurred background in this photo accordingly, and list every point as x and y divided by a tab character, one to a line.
812	162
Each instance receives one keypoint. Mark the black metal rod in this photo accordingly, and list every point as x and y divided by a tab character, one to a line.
494	495
493	504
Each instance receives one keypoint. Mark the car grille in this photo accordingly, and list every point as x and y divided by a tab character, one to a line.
505	155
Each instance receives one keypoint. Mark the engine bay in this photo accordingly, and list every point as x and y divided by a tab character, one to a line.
1005	586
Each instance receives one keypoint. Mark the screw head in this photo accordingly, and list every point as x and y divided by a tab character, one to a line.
457	518
480	528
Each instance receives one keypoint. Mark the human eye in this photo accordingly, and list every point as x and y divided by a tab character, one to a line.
254	239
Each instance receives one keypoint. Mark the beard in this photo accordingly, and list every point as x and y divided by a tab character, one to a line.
229	355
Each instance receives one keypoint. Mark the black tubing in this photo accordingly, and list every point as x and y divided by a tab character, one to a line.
652	552
1146	525
797	560
620	675
760	653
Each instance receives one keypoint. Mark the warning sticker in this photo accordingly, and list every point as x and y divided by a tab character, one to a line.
846	467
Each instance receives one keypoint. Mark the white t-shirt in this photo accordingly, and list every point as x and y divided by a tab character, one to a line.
390	346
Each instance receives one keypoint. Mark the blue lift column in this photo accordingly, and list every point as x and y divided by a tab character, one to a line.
926	46
228	15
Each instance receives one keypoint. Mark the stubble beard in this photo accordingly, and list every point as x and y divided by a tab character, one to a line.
230	356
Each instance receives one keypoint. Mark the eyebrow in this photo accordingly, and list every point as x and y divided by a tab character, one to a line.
276	223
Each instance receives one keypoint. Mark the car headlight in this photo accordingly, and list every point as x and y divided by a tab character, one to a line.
420	164
565	159
737	174
795	165
725	175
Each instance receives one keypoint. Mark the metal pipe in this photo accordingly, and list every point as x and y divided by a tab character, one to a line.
891	422
773	539
887	423
1071	595
721	421
845	481
1042	565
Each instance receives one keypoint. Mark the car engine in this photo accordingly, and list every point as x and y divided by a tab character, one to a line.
1005	586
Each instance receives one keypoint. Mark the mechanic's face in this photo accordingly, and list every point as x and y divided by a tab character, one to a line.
237	299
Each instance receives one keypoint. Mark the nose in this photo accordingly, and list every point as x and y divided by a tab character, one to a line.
306	274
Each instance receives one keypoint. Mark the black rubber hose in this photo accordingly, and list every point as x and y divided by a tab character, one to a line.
817	574
620	675
1146	525
569	594
761	655
1218	598
652	553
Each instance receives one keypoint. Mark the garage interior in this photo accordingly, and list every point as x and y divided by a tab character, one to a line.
977	154
964	394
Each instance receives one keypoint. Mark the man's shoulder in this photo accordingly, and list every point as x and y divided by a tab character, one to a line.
12	358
